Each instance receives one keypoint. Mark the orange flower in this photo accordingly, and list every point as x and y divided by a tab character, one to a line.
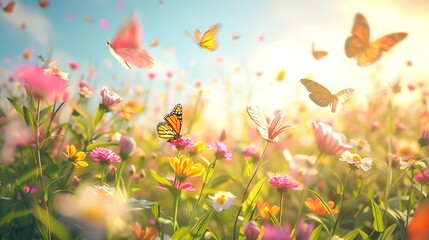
264	209
317	207
148	234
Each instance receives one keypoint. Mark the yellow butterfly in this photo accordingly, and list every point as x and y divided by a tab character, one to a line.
323	97
318	54
366	53
208	39
170	129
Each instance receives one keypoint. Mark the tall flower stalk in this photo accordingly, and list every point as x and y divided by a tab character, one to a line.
341	202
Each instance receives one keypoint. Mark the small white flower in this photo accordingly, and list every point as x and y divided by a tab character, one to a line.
361	144
356	160
221	201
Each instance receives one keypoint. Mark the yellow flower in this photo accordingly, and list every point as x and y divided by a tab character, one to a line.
264	209
197	148
184	167
77	158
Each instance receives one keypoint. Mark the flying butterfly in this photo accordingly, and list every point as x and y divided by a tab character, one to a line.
9	7
43	3
366	53
323	97
125	47
170	129
208	39
318	54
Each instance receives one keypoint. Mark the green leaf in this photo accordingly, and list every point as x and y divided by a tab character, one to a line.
363	234
181	233
273	219
315	235
325	205
45	111
209	173
100	113
29	117
219	180
351	235
199	229
82	125
163	181
378	223
17	107
156	210
250	203
388	233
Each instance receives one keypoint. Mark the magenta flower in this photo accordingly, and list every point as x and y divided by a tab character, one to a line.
222	151
267	128
110	99
283	182
29	190
104	156
73	65
151	75
423	177
251	230
276	232
41	83
184	186
328	141
182	143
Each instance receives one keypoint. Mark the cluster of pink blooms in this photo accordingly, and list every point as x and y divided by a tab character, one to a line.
283	182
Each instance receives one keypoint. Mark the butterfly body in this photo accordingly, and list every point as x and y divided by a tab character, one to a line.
323	97
170	129
358	45
208	39
125	47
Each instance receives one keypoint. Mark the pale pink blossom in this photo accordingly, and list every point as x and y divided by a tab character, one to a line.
267	128
328	141
423	176
127	145
301	167
222	151
110	99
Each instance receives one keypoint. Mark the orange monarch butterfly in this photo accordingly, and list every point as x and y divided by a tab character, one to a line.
318	54
208	39
43	3
366	53
323	97
170	129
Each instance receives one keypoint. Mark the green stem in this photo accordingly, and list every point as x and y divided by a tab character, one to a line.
411	193
103	174
282	194
341	203
39	161
176	206
247	188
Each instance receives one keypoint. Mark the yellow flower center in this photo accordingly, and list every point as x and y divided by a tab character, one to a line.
56	70
221	200
356	158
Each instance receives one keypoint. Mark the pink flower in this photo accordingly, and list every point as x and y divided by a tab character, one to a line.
110	99
222	151
104	156
73	65
251	230
283	182
84	89
269	130
151	75
29	190
276	232
169	74
423	177
328	141
252	152
183	186
42	84
301	167
182	143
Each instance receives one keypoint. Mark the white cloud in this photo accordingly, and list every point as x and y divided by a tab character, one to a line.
38	26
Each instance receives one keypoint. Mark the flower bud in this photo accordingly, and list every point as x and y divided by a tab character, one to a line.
251	230
424	139
132	170
109	98
127	145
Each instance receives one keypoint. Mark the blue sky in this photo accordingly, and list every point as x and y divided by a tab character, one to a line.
289	28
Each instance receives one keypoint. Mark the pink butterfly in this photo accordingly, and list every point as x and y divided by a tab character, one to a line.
125	47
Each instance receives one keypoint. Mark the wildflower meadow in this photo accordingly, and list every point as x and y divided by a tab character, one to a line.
163	119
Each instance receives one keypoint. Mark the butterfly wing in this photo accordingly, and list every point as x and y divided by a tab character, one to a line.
358	42
318	54
87	19
154	43
340	98
260	119
170	129
125	47
208	40
387	42
318	93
